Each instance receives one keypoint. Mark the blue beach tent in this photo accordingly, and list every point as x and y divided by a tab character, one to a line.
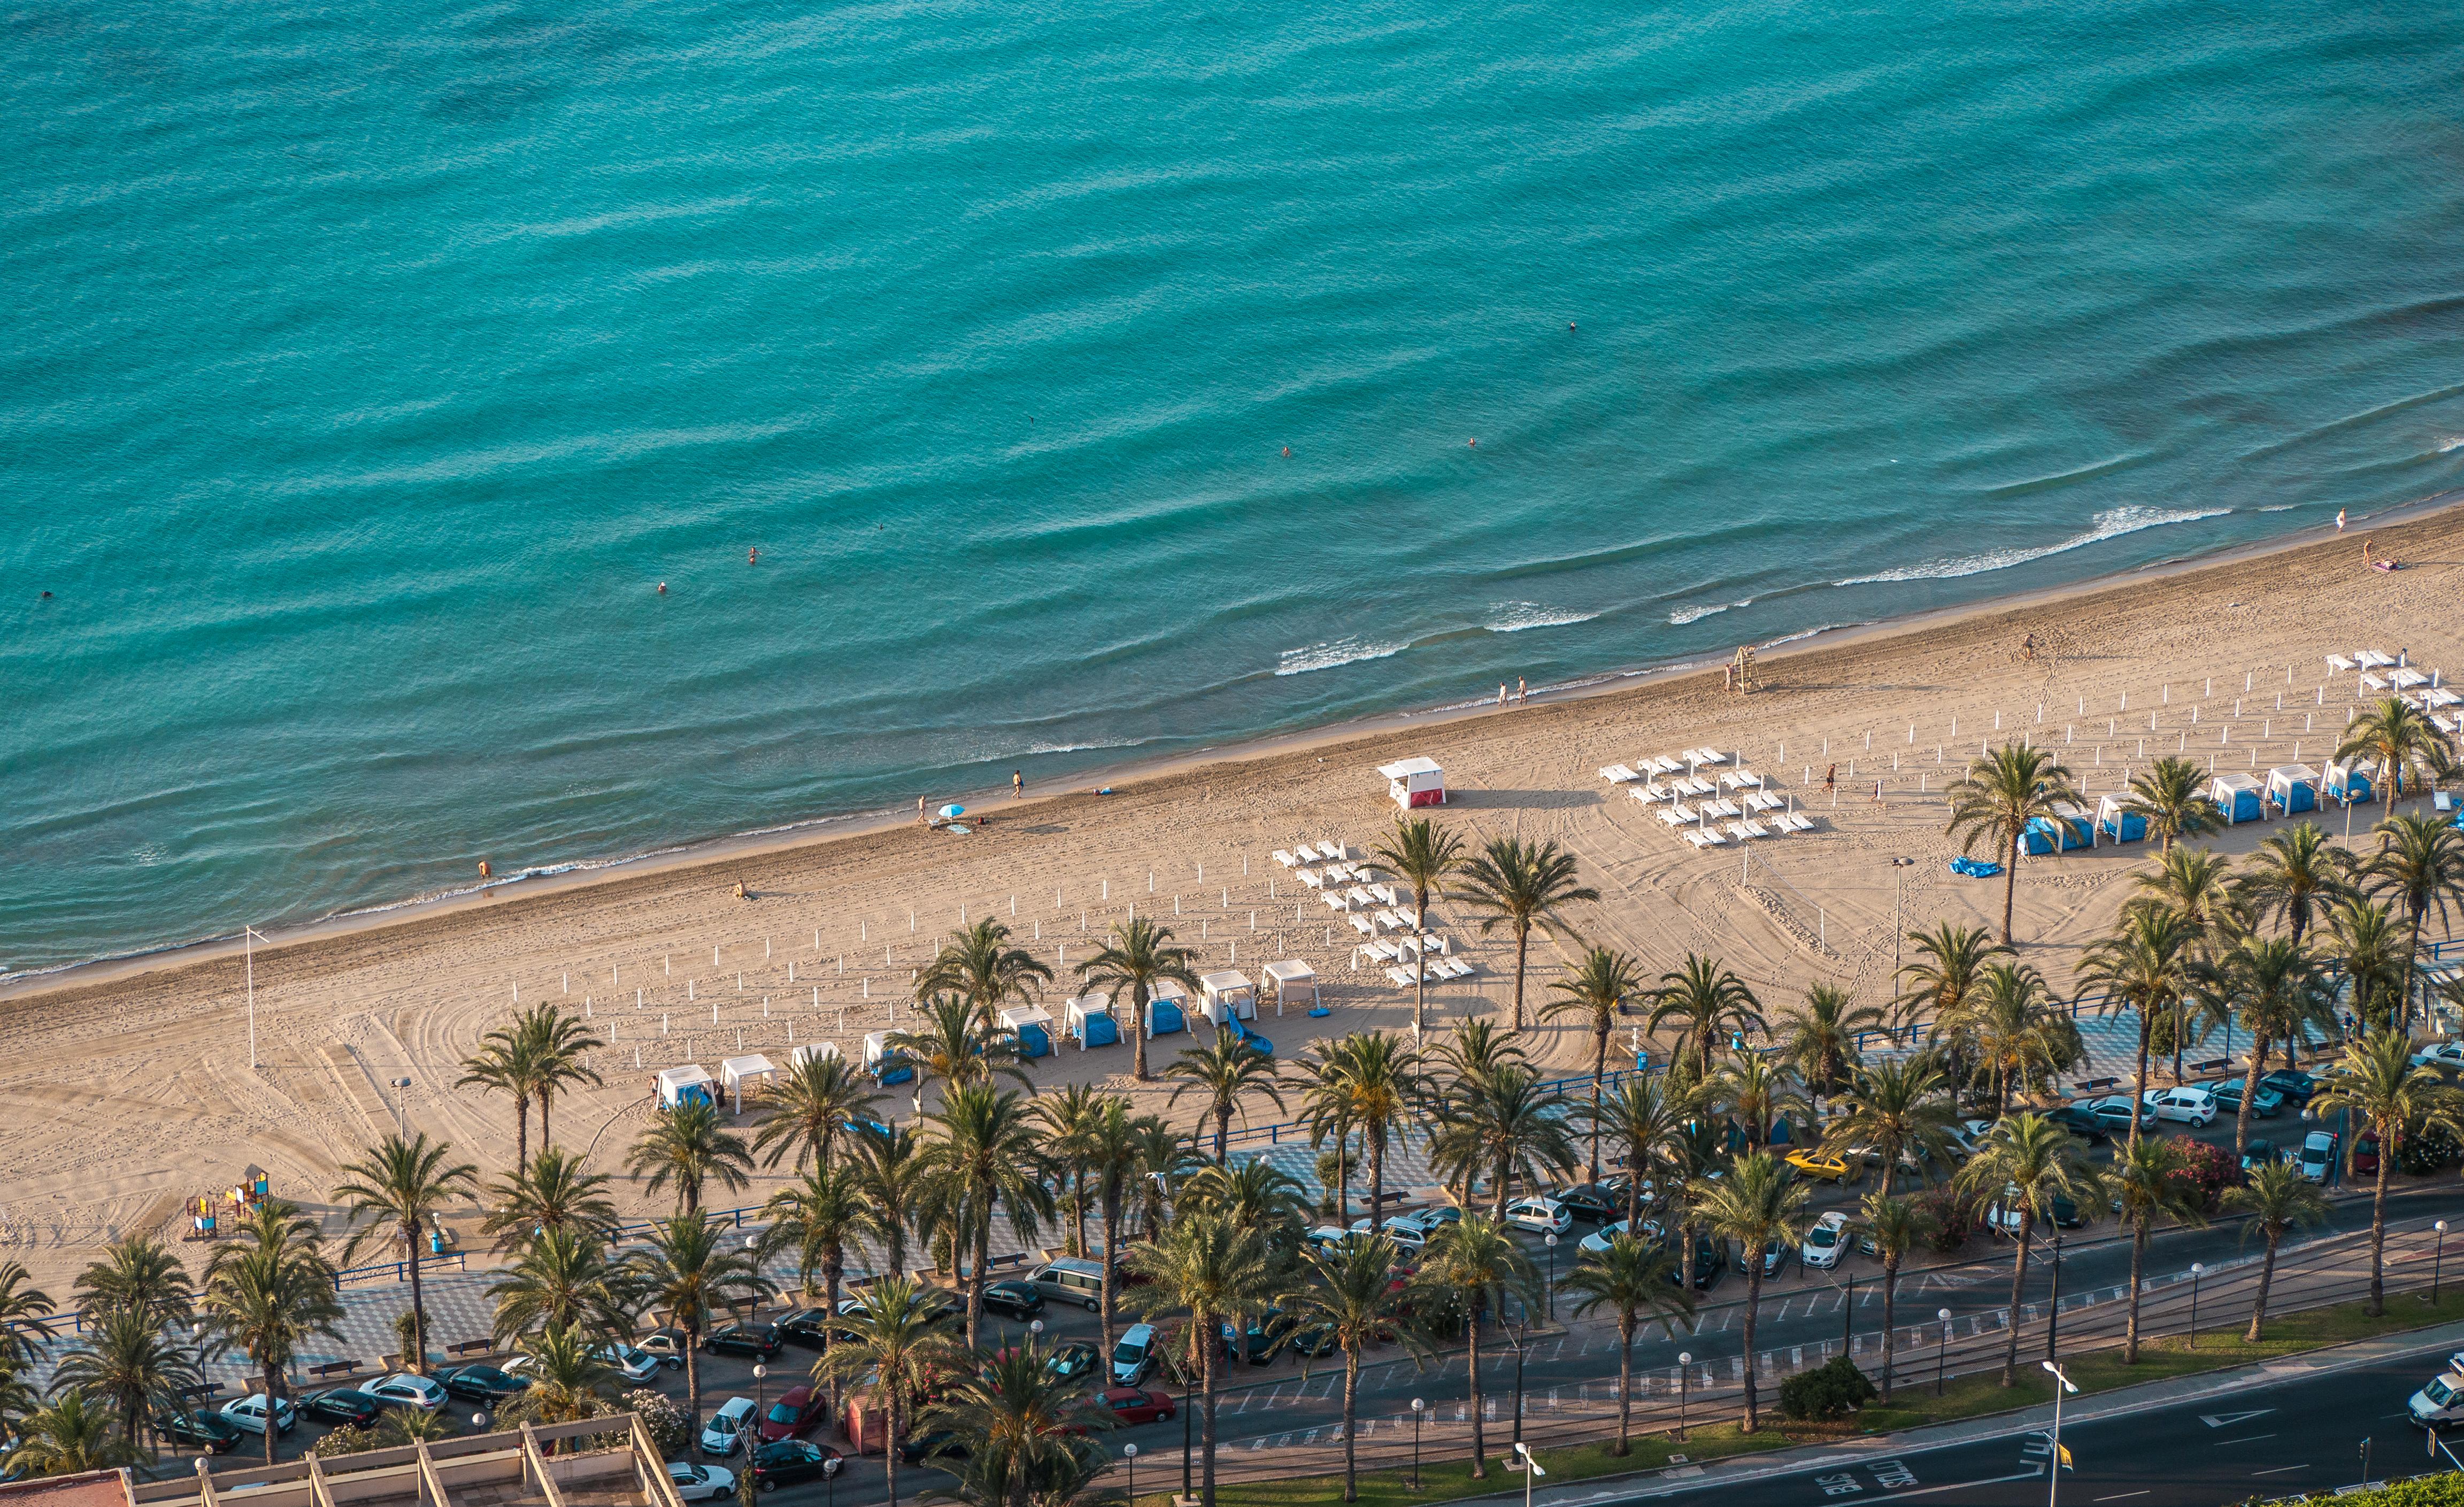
2293	788
2236	798
1032	1026
885	1062
2117	822
1164	1015
2347	785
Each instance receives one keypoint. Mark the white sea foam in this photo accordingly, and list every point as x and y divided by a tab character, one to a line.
1334	653
2111	524
1513	617
1683	616
2451	442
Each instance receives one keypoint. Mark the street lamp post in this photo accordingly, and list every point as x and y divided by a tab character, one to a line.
1550	1292
1188	1411
1941	1355
1531	1469
2053	1303
400	1109
1419	1406
2195	1270
1518	1386
753	1444
1684	1380
2053	1466
1129	1452
2437	1258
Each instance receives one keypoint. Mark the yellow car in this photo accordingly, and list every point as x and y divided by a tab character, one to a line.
1820	1165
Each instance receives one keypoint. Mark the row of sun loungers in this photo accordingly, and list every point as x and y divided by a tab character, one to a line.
1312	853
1440	970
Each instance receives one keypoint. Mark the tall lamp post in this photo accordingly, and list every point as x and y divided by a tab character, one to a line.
2053	1466
2437	1258
1941	1355
2196	1269
1129	1452
753	1444
1550	1293
1419	1406
2054	1302
1684	1380
1531	1469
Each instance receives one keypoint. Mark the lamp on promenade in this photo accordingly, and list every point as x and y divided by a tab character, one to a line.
1941	1356
1419	1406
2438	1259
1129	1452
1684	1378
2195	1270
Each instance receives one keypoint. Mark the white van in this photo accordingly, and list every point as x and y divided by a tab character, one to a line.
2441	1403
726	1428
1068	1279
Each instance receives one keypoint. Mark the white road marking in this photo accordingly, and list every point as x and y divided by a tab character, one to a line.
2281	1469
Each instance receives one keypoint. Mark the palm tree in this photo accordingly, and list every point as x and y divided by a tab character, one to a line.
1641	1118
25	1315
2027	1161
560	1045
131	1362
1895	1224
957	1041
1221	1073
1820	1038
1599	991
1898	1111
1505	1125
1069	1116
506	1064
819	1218
2279	1199
2011	1029
1222	1273
72	1436
568	1381
557	1191
2197	884
1166	1161
403	1185
2272	987
1348	1292
984	1154
807	1107
2144	966
894	1344
1948	962
979	965
138	1271
2420	863
2398	738
1255	1195
688	1270
1758	1207
1632	1281
2171	794
2295	875
690	1146
1139	957
1759	1092
889	1172
2365	944
272	1289
563	1279
2377	1080
1710	1003
1476	1048
1421	855
2148	1180
2001	793
1017	1422
1521	887
1477	1263
1366	1082
1116	1160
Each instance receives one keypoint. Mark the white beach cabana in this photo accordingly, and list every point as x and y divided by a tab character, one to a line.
2117	822
1032	1026
803	1052
884	1061
1290	977
1167	1008
679	1087
1414	782
2237	797
1087	1020
2293	788
2347	782
736	1071
1227	996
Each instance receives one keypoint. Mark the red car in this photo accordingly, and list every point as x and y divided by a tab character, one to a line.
1132	1405
2366	1154
797	1409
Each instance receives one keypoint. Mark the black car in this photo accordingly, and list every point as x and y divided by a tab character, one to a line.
1013	1298
1596	1203
1072	1360
1257	1341
1773	1259
917	1448
344	1405
209	1432
806	1326
2292	1083
1314	1341
784	1462
2066	1214
1710	1264
480	1384
758	1339
2080	1124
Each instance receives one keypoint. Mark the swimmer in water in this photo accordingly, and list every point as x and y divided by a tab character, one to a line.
663	588
753	556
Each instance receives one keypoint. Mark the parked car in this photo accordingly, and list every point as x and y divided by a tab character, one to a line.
700	1483
796	1411
727	1427
1135	1356
484	1384
1136	1405
1819	1165
2191	1105
247	1414
2318	1161
759	1340
2366	1154
785	1462
806	1326
343	1405
1593	1203
2265	1105
2258	1152
1596	1243
1405	1229
2079	1122
932	1444
1824	1242
209	1432
1257	1341
2295	1085
1072	1360
2440	1402
1773	1259
2445	1054
1011	1297
2003	1217
402	1389
667	1344
1326	1237
1543	1215
2114	1112
1070	1279
1710	1264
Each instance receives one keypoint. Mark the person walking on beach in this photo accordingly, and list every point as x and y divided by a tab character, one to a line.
919	810
1521	692
1831	777
1877	792
1501	693
2028	647
2340	520
1017	785
2365	555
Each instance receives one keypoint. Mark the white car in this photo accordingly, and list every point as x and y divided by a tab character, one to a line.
247	1414
635	1366
1403	1230
1546	1216
2187	1103
701	1483
2318	1155
402	1389
2448	1055
1596	1243
1824	1242
726	1428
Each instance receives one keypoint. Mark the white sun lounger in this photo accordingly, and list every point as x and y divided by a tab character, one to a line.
1704	837
1284	858
1709	755
1394	920
1664	764
1755	829
1310	876
1763	800
1618	775
1456	968
1332	850
1361	897
1741	779
2338	662
2372	659
1794	821
1334	900
2406	678
2439	696
1386	950
2373	680
1722	807
1696	784
1385	892
1363	924
1676	815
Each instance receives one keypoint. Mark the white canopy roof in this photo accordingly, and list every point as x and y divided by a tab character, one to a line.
1225	983
1289	972
1166	989
2287	774
1084	1006
2226	784
737	1071
1406	768
808	1051
1025	1016
685	1077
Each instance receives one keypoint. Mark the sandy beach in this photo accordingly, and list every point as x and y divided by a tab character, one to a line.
127	1089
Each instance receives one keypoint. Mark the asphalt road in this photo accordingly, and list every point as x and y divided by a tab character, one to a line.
2279	1440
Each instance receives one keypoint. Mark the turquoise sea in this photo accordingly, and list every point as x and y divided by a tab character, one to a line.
369	368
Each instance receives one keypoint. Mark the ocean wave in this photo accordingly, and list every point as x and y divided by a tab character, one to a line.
1513	617
2111	524
1682	616
1334	653
2452	442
